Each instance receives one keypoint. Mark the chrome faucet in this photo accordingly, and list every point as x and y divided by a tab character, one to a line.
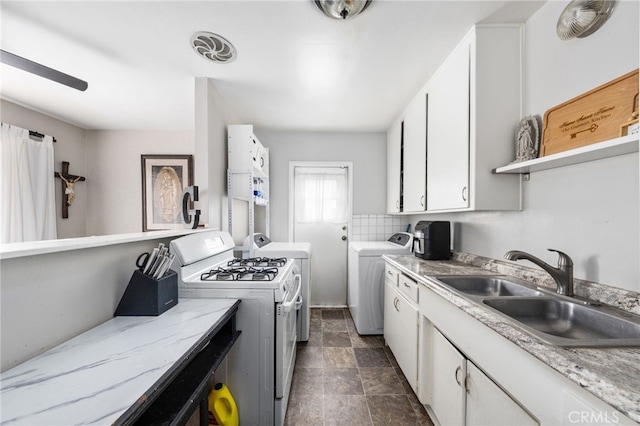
562	275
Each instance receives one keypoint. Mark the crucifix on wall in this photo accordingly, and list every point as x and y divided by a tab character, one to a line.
68	187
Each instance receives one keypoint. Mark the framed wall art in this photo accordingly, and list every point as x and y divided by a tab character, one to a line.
164	177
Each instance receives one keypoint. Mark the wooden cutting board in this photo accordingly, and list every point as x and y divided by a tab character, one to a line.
594	116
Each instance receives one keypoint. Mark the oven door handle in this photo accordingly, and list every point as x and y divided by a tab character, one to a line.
299	302
298	299
289	304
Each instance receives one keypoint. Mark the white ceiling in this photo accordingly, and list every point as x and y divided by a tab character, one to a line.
296	69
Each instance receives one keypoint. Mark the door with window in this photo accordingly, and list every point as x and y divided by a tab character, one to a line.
320	213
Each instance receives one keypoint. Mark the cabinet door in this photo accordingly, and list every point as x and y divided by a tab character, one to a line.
394	168
401	332
415	156
448	373
448	134
392	327
489	405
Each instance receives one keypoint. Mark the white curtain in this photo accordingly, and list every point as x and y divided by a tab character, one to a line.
321	195
28	192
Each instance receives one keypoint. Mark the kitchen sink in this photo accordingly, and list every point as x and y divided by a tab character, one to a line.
566	323
555	319
488	285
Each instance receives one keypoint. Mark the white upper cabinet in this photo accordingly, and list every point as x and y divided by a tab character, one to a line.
461	126
407	161
475	103
414	180
394	171
448	134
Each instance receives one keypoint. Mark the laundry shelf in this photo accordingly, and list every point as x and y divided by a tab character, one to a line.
611	148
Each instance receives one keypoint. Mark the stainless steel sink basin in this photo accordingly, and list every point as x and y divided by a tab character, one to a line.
565	323
487	285
555	319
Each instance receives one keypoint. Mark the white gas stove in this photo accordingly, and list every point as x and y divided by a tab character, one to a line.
260	365
207	262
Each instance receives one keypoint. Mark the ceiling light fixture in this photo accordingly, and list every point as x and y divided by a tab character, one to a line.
582	18
342	9
213	47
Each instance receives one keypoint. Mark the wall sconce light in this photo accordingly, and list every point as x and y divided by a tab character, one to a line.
582	18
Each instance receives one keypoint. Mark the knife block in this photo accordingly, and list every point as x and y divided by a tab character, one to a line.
146	296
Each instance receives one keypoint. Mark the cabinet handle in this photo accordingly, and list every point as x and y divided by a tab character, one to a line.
395	303
422	201
406	285
397	204
456	375
464	193
466	384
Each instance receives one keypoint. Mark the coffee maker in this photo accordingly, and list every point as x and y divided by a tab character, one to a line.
432	240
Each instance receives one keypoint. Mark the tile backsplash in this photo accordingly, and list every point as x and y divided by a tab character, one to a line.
376	227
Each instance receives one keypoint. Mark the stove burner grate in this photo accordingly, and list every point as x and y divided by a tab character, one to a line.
240	273
258	261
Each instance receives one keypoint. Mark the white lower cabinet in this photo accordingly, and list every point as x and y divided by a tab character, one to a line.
471	375
463	395
487	404
401	327
448	368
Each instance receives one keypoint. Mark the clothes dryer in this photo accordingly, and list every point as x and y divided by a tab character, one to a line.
366	279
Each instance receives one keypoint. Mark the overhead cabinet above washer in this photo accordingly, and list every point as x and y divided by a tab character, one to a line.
464	120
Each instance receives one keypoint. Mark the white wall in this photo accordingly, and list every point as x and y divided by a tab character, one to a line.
212	115
367	151
50	298
110	200
70	146
115	174
591	210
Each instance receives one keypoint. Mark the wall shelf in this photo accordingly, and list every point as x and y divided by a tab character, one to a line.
611	148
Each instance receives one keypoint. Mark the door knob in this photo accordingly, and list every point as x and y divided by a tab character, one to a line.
344	238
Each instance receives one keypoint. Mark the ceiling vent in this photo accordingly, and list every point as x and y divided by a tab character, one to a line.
213	47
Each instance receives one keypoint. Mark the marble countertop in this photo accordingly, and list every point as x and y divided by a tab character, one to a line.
611	374
95	377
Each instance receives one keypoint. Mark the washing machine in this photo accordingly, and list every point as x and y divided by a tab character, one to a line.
301	254
366	279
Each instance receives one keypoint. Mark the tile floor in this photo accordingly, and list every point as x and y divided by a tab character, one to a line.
342	378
